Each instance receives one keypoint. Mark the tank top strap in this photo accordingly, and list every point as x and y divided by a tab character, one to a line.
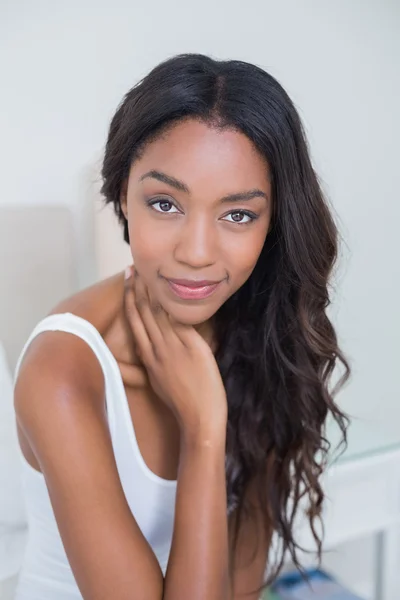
82	328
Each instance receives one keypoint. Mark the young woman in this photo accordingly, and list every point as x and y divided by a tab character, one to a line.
177	428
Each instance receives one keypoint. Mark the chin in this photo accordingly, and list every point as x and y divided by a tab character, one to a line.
191	315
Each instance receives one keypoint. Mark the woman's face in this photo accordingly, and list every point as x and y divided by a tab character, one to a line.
183	226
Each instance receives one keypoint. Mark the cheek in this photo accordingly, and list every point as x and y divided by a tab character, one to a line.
146	245
148	250
242	257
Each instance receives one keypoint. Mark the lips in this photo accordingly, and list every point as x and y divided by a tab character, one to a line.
193	284
191	292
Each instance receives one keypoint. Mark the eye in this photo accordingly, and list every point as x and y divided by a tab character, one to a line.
164	204
240	214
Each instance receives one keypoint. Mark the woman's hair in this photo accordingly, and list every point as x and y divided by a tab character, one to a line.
277	348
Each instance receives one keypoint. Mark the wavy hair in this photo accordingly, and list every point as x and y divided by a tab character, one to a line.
277	348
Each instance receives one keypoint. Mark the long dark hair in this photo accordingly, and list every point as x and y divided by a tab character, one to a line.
277	348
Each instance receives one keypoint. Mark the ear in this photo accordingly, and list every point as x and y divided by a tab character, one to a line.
123	198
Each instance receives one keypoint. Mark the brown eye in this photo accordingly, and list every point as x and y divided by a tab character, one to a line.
165	205
238	215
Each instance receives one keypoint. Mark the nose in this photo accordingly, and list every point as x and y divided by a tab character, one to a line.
196	245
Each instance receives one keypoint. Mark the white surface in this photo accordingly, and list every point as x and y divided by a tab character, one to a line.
7	588
363	505
39	266
12	507
364	500
365	439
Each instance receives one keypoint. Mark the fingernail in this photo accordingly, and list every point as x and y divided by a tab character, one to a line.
128	272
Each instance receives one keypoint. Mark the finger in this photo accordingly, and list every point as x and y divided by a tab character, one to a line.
138	329
170	329
185	333
162	319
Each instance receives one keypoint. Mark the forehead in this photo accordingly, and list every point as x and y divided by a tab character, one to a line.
199	154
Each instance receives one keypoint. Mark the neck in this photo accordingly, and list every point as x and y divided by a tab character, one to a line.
206	330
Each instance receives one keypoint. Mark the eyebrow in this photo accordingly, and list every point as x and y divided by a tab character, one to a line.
182	187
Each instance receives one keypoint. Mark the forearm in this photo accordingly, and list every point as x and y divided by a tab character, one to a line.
198	566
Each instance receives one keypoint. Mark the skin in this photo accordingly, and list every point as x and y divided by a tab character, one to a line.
198	238
59	394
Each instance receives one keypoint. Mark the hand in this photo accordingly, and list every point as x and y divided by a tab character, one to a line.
180	364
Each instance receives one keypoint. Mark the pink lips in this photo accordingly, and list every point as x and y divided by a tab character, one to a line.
193	293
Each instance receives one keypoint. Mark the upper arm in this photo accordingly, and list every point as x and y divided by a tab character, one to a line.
59	402
251	554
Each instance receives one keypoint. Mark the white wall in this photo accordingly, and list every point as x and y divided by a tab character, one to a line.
65	66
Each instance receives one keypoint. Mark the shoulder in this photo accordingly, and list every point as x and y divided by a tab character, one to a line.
99	303
102	305
57	371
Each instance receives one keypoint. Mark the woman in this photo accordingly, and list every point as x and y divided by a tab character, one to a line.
176	430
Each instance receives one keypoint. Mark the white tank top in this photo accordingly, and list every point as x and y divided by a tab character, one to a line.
46	573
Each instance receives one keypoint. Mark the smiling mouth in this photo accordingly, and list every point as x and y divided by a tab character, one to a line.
187	292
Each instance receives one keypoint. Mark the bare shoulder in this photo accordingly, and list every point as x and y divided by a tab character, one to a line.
58	369
99	303
102	305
